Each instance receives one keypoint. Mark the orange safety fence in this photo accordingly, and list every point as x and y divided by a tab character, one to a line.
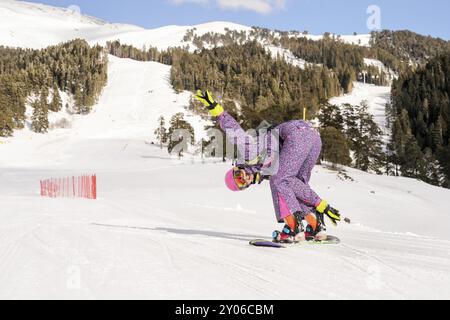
70	187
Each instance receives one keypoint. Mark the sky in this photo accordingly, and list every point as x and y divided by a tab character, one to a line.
316	16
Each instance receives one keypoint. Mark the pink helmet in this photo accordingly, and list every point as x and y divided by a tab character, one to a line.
230	182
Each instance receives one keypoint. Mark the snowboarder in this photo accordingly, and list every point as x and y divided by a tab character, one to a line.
299	146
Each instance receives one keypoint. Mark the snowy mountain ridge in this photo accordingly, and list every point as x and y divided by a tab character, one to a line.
36	26
30	25
46	12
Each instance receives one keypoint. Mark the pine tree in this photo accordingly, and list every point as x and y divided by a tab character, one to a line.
56	103
178	123
80	108
443	155
39	119
364	137
6	120
331	116
434	171
350	115
370	156
392	165
6	111
413	162
437	134
161	132
335	148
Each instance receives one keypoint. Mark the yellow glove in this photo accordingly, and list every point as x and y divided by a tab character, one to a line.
332	213
215	109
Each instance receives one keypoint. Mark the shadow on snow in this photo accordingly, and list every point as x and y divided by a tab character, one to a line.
186	232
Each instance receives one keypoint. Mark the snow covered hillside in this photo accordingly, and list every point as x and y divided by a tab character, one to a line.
30	25
287	55
137	94
376	97
162	229
360	40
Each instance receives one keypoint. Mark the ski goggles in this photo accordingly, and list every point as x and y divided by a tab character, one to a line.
239	179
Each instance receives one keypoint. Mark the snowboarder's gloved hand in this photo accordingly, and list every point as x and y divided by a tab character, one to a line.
215	109
332	213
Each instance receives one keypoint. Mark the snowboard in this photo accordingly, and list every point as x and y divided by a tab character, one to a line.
309	241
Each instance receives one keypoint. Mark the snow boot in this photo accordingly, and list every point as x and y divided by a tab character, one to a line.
291	234
287	235
316	227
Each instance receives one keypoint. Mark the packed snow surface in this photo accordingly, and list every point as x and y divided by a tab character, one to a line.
169	229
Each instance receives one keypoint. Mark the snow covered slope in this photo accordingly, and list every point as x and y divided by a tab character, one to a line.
162	228
37	26
287	55
376	97
31	25
137	94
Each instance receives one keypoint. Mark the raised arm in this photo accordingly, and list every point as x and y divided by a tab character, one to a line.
246	144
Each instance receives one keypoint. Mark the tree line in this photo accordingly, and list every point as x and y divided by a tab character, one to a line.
39	75
255	86
168	137
420	117
405	50
351	130
346	60
119	50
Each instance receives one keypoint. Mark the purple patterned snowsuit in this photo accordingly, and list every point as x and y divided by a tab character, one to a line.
298	154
